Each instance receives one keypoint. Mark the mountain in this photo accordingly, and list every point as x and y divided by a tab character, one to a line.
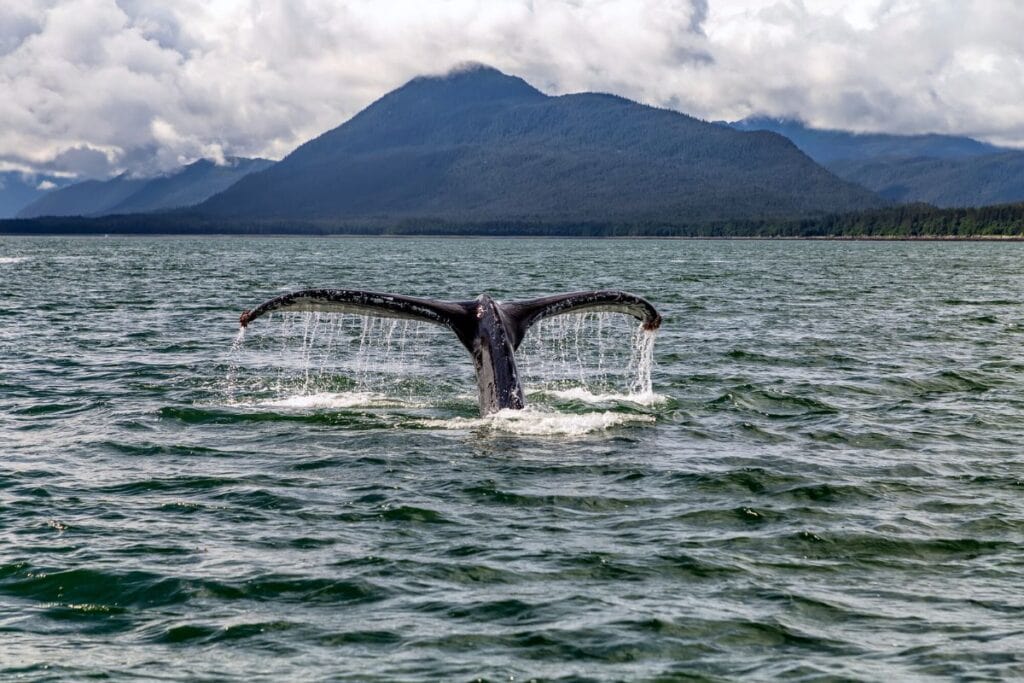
18	190
123	194
87	198
478	145
943	170
193	184
959	182
826	146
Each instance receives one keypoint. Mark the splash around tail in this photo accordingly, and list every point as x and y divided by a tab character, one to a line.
490	330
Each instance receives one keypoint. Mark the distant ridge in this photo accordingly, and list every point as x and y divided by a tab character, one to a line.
19	189
970	181
87	198
478	145
826	146
944	170
123	194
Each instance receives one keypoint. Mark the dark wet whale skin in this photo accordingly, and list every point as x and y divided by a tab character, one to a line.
497	376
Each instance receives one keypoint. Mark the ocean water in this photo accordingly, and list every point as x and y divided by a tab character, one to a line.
823	480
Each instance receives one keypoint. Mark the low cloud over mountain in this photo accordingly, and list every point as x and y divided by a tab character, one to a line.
97	87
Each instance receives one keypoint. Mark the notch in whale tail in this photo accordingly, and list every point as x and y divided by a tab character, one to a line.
489	330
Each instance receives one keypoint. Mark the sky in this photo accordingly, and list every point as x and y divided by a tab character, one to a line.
91	88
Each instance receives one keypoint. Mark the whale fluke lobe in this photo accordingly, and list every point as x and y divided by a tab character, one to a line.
491	331
361	302
524	314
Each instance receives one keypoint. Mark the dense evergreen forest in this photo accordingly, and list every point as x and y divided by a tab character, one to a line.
910	221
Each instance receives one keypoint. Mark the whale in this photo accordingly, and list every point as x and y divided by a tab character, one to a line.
490	330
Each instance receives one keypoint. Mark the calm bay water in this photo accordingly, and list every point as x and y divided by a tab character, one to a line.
828	480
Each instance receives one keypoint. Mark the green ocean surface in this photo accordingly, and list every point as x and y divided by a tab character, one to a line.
824	478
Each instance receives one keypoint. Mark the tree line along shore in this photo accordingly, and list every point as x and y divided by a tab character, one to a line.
915	221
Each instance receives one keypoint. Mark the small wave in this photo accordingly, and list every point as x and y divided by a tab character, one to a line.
207	633
585	395
201	415
945	382
981	302
409	513
773	404
329	400
490	493
4	260
533	422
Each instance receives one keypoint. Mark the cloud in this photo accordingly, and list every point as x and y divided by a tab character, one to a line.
96	87
954	66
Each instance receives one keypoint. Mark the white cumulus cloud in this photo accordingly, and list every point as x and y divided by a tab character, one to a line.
95	87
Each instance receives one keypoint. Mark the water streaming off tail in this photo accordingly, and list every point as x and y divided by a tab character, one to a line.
588	355
292	355
317	360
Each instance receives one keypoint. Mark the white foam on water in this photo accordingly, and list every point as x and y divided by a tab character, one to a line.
12	259
328	400
585	395
534	422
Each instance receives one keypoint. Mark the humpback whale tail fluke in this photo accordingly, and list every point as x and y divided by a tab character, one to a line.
490	331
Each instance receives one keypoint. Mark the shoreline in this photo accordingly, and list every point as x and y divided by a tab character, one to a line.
694	238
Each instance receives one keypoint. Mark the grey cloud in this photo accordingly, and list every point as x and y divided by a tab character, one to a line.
17	25
700	15
81	161
78	161
161	24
